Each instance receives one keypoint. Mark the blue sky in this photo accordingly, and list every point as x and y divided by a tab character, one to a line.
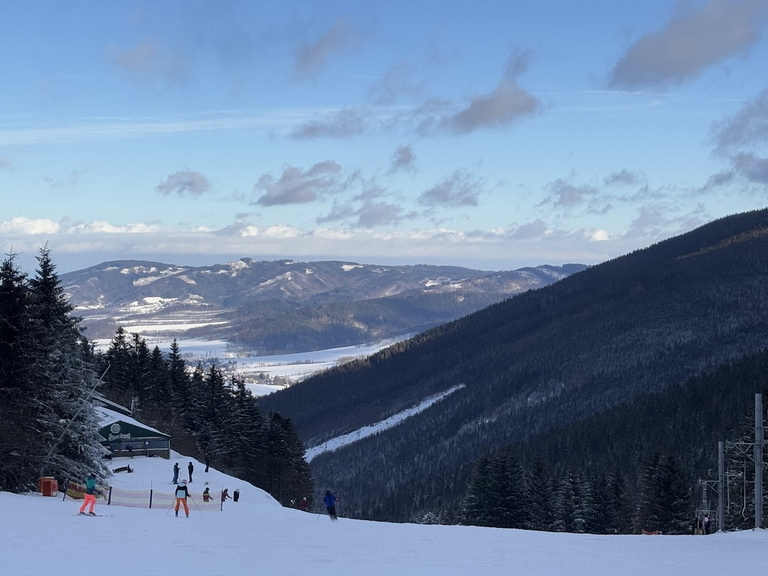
486	134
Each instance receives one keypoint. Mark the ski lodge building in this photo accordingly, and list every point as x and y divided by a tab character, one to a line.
123	436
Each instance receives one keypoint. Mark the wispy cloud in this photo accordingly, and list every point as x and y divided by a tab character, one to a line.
459	189
184	183
396	83
5	163
147	62
340	124
403	159
623	177
690	42
297	186
507	103
564	194
109	129
313	56
68	181
745	129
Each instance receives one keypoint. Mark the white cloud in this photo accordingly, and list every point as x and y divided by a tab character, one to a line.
530	243
28	226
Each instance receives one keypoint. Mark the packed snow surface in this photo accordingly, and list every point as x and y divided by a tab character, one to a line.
255	536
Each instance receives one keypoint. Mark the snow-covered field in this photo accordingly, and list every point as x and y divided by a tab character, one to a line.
258	537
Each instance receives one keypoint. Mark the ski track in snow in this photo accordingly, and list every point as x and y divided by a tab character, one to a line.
257	537
371	429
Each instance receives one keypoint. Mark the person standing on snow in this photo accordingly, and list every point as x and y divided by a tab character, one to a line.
90	498
207	462
190	468
182	493
304	505
176	473
330	504
206	495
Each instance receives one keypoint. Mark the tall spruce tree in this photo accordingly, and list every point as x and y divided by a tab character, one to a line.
477	504
19	426
64	379
541	498
598	514
665	502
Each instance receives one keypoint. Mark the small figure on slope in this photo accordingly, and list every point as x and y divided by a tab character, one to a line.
236	495
90	498
182	493
224	495
707	524
191	469
330	504
304	505
207	462
176	473
206	495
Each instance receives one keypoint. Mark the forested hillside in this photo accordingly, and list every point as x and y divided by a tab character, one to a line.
548	358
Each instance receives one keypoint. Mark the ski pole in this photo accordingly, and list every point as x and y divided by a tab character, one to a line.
171	506
196	506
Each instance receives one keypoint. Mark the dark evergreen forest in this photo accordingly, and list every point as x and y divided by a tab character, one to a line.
587	352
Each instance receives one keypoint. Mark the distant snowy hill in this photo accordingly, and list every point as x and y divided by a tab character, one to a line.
278	306
256	536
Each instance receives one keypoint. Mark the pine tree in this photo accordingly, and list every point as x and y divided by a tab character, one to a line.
620	504
477	505
19	428
541	497
665	502
569	507
598	514
508	492
65	380
119	381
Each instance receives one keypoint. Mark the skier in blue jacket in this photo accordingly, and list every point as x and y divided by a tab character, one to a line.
330	504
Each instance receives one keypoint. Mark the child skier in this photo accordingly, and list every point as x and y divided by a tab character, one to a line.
181	497
90	498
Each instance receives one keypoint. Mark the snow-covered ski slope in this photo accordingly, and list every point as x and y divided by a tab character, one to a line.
370	430
257	537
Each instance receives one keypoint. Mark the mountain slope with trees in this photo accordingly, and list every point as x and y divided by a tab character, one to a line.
542	360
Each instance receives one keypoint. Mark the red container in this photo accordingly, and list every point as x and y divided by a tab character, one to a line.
48	486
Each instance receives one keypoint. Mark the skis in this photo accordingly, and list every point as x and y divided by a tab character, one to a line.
91	515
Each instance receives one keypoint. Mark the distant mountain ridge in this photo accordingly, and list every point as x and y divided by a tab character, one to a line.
540	361
287	305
